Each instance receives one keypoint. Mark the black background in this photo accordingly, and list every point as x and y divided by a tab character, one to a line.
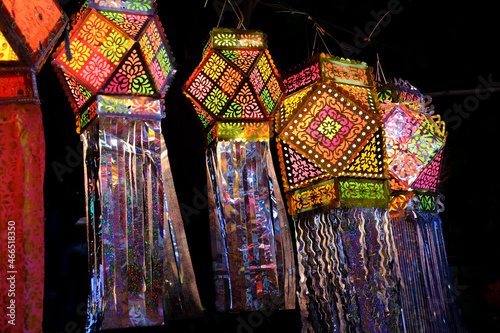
437	46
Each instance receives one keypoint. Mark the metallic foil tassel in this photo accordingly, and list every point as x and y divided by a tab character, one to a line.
251	244
139	265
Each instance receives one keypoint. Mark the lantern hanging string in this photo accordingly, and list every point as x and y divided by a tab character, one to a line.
237	11
380	71
221	12
320	31
240	19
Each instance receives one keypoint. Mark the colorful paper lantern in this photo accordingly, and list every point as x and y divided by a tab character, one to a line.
235	91
114	53
115	70
413	137
333	164
415	140
28	31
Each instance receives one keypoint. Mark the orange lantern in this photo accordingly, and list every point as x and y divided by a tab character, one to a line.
28	31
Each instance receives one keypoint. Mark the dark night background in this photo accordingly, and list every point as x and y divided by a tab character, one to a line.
437	46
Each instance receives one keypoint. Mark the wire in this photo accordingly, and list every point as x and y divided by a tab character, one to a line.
377	25
240	20
221	12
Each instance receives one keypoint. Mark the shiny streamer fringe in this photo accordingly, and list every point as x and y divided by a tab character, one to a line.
347	279
139	264
251	243
427	294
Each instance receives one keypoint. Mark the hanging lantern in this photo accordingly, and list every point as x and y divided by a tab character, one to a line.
115	69
333	164
28	31
235	91
415	139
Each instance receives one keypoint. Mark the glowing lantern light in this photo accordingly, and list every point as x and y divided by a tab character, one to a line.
333	164
235	91
28	31
115	70
415	140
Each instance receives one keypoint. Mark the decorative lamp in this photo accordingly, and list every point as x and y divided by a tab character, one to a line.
415	140
115	67
235	90
28	31
333	164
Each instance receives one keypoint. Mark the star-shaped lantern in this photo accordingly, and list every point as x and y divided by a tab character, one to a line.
329	127
333	164
414	137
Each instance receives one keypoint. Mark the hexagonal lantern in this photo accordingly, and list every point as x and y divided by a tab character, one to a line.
115	69
28	31
333	164
235	90
112	52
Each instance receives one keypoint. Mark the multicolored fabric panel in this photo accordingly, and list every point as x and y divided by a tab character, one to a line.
243	59
289	105
79	95
371	160
322	195
303	75
429	178
367	96
426	201
346	71
330	128
87	116
157	54
254	131
296	170
97	46
412	142
130	107
357	192
132	24
128	6
131	77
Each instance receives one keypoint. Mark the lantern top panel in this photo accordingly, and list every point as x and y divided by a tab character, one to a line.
145	7
323	66
224	38
31	28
